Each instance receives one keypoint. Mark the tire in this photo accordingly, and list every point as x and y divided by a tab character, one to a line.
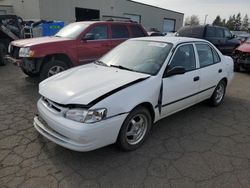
51	68
3	52
30	74
219	94
127	139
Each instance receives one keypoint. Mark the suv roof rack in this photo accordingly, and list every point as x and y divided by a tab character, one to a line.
118	19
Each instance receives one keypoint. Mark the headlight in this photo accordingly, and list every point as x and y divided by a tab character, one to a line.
26	52
86	116
9	48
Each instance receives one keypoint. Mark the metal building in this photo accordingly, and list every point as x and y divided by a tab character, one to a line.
81	10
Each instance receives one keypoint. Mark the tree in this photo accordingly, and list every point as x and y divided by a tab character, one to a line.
192	20
217	21
231	22
224	22
238	22
245	23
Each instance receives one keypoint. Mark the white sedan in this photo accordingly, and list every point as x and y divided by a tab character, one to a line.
119	97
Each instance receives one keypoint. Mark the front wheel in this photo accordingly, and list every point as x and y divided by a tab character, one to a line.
219	94
135	129
52	68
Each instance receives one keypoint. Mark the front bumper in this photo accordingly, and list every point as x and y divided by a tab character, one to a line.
14	61
243	63
76	136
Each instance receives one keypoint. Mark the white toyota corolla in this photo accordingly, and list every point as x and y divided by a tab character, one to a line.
119	97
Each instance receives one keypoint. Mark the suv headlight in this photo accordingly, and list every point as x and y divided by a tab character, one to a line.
9	48
26	52
86	116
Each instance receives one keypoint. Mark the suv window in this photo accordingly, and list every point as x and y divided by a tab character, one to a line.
219	33
227	34
137	31
206	55
119	31
210	32
100	32
185	57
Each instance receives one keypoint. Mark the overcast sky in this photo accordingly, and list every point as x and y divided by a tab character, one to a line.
212	8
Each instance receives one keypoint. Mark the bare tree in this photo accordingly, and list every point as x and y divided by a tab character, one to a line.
192	20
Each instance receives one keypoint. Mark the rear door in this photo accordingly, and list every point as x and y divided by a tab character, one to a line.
211	69
90	50
119	33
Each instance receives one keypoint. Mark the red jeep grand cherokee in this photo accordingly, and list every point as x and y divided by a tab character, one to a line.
77	43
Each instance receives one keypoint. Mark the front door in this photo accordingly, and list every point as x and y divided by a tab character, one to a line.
92	49
180	91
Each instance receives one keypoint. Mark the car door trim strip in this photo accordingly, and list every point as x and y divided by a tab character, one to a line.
187	97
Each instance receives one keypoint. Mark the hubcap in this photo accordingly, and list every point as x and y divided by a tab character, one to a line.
55	70
136	129
219	93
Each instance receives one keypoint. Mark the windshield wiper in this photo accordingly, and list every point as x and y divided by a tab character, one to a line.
121	67
98	62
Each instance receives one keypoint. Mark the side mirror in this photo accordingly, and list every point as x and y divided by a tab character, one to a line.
89	36
174	71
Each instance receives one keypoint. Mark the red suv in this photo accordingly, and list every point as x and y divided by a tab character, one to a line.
77	43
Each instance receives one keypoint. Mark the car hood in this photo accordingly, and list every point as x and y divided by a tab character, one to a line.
245	47
85	84
38	41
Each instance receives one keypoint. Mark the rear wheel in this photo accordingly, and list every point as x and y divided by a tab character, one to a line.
52	68
135	129
219	94
3	52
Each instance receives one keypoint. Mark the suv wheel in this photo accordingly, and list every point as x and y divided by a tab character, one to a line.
135	129
3	52
52	68
30	74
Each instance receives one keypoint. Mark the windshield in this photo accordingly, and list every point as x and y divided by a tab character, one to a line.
72	30
139	56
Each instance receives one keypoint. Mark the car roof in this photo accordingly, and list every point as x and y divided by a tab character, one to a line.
173	40
114	22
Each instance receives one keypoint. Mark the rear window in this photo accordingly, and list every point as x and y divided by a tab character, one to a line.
196	32
119	31
137	31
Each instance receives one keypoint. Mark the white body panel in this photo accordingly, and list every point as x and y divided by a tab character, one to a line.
84	84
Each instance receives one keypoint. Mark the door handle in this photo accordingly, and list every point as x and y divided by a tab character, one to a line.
197	78
220	71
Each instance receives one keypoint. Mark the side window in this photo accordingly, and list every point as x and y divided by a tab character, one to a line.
216	57
210	32
119	32
206	55
100	32
219	33
184	57
137	31
227	34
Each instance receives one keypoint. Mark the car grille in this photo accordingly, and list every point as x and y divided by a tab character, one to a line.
244	56
53	105
14	52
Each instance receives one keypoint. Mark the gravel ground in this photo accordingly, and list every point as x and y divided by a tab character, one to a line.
198	147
